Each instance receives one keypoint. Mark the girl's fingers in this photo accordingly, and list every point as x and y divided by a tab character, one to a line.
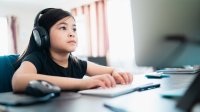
113	83
105	78
100	84
130	77
119	79
125	77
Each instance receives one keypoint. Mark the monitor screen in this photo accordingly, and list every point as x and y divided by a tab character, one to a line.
166	32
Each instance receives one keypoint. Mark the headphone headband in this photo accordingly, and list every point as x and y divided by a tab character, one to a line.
39	33
38	15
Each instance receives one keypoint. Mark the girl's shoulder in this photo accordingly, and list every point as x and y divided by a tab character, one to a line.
35	55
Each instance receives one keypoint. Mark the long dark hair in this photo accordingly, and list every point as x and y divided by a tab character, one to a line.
47	20
32	47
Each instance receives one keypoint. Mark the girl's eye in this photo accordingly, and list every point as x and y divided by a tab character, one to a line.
63	28
74	29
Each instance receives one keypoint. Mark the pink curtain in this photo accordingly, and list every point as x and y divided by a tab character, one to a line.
13	26
97	32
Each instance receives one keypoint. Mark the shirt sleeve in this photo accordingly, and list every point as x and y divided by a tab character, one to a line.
83	65
34	58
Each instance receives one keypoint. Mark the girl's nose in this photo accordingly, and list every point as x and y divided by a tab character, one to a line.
71	35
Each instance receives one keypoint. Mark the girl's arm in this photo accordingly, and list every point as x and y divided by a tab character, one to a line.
95	69
120	77
27	71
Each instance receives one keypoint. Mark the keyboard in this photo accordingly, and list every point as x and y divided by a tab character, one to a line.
113	92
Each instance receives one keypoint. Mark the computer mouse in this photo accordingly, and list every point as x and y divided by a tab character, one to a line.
39	88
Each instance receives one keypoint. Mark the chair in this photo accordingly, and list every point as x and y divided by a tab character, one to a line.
6	72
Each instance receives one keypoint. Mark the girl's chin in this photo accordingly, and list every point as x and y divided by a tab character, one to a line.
71	50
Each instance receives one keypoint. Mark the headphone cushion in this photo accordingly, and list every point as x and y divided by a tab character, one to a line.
41	36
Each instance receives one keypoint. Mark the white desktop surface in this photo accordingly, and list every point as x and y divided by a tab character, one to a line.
146	101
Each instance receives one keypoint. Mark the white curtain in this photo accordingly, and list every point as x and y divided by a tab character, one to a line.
6	45
8	35
13	33
92	26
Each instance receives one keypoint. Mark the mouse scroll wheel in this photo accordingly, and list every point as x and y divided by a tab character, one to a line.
47	85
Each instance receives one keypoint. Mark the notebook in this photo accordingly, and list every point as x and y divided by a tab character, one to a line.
118	90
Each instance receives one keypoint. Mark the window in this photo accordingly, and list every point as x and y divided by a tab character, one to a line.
4	36
121	36
82	36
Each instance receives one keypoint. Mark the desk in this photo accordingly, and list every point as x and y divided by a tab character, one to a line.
149	101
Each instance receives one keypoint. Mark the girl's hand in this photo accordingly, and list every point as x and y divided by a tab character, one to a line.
122	77
104	81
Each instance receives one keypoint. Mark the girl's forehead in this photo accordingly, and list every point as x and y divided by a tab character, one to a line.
68	20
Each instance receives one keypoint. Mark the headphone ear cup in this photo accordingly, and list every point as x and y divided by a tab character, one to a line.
41	37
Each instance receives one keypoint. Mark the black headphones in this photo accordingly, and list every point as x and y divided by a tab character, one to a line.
40	35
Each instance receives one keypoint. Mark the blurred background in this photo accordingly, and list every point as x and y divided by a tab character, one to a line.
104	29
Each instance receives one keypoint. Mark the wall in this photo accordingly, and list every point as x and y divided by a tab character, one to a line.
26	13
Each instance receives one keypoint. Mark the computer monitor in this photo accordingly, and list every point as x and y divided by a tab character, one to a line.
166	32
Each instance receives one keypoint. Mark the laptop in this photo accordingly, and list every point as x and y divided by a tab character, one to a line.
119	89
189	70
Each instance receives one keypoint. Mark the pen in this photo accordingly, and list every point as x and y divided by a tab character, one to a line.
147	87
113	108
156	76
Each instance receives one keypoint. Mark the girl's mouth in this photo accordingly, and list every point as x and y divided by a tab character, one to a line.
72	42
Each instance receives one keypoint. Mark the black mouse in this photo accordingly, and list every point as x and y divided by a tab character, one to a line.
39	88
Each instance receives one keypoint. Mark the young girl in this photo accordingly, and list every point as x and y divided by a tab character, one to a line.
48	57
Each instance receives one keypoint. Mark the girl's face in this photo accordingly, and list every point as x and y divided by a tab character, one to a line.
63	37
